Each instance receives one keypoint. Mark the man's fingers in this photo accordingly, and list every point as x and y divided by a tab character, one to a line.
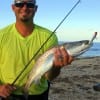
58	58
65	55
62	57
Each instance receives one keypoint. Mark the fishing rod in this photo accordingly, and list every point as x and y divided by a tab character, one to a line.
45	42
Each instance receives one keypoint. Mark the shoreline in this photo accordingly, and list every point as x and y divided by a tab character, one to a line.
76	81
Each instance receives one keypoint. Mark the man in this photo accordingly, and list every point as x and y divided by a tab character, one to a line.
18	43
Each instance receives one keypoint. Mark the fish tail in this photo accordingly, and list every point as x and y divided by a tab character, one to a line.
27	84
25	93
26	87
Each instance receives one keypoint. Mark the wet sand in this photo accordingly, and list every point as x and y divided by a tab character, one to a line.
76	81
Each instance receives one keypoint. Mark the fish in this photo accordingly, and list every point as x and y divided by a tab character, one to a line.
45	62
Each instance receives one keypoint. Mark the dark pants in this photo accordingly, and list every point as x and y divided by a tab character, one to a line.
43	96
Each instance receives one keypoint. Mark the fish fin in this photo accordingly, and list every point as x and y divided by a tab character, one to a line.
37	80
28	84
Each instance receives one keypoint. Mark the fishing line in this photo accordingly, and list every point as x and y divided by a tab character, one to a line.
45	42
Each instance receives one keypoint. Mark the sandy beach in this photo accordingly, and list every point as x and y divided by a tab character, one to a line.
76	81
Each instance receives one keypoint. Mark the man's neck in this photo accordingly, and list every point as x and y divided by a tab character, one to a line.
24	29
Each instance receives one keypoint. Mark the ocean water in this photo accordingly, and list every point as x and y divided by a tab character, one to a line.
93	51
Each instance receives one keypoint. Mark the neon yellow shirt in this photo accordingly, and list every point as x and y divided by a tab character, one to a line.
15	53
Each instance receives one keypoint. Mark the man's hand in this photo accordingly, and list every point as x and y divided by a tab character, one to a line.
6	90
62	57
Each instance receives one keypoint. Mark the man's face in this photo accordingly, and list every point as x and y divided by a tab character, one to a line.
24	9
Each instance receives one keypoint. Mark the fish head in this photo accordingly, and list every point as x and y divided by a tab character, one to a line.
78	47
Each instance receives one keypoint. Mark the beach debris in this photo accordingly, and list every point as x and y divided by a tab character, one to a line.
97	87
45	62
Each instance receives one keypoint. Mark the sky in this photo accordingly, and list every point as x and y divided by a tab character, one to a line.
81	24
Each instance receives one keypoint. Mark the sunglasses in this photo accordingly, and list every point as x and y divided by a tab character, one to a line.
21	4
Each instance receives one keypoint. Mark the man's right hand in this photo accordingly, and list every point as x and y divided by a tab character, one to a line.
6	90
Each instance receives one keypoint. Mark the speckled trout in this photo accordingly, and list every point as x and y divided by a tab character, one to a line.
45	62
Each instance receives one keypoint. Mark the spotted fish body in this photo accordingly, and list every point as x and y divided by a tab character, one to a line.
45	62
